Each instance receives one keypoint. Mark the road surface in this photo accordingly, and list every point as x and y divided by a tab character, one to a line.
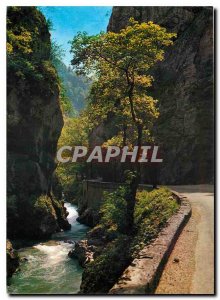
190	268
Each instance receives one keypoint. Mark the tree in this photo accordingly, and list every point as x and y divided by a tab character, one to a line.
121	63
57	53
74	133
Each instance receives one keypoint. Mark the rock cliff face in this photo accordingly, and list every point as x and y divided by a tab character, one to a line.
12	259
184	87
34	123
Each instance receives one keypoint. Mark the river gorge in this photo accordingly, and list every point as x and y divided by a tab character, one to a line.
46	267
114	90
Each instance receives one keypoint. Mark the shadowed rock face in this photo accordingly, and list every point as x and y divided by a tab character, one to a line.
184	87
12	259
34	123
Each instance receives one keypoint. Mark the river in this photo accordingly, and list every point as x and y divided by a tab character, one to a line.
48	269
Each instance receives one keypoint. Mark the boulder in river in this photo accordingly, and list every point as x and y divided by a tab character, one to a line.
83	252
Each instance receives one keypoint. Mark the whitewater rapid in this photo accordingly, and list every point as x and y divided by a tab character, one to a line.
46	268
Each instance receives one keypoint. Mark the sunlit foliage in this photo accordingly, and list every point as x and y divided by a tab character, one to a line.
74	133
121	63
152	211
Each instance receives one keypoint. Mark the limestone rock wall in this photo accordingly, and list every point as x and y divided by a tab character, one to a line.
184	87
34	123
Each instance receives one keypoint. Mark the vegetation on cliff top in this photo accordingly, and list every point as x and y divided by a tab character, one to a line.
32	57
28	48
34	123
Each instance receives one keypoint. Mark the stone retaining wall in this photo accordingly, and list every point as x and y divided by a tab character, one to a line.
143	275
93	192
92	198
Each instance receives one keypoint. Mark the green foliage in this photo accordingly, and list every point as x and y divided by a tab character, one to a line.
66	104
73	88
49	72
50	25
76	87
113	210
20	36
74	133
152	210
44	205
28	48
101	274
121	64
20	42
138	47
56	54
159	204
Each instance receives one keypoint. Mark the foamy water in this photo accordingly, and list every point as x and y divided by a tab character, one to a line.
49	270
55	254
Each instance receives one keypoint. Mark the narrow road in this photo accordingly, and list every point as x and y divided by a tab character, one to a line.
190	268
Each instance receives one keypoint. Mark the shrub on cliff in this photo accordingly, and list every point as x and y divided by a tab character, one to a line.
152	210
44	204
28	49
113	211
101	274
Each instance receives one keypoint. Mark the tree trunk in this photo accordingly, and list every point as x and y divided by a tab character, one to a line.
124	134
135	178
132	188
130	199
139	143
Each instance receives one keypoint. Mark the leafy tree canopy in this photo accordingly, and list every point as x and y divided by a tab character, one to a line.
120	63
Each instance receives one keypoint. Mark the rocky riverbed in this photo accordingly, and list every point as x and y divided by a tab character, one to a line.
45	268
